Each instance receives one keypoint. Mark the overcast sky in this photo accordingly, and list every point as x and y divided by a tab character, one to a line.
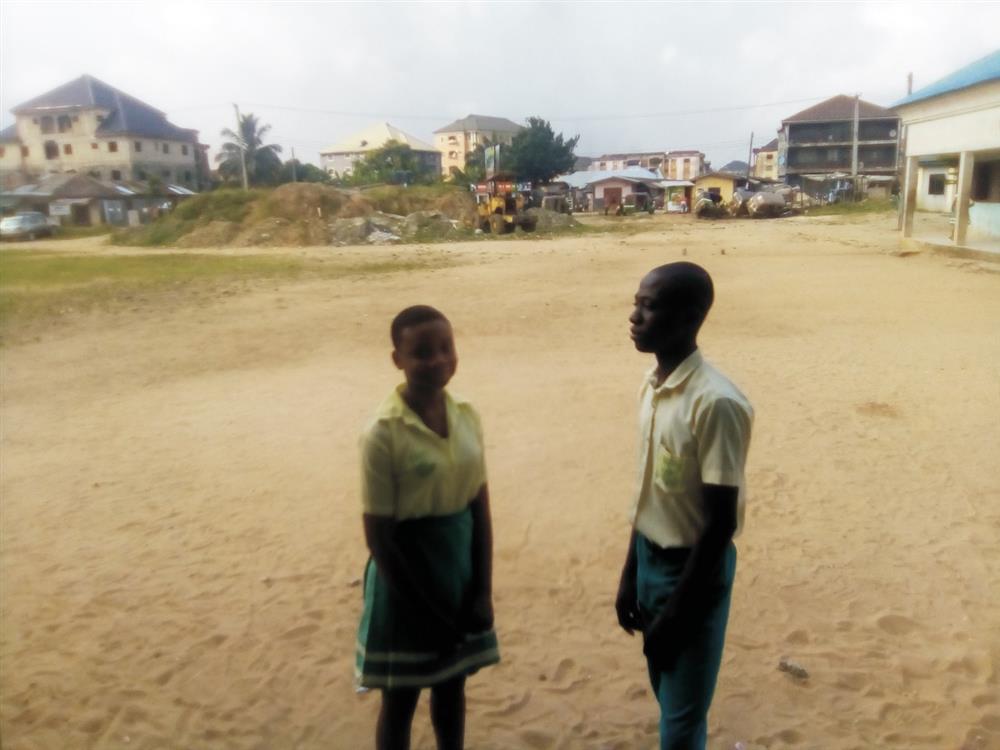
625	77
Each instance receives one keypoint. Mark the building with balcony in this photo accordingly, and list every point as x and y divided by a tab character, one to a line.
684	165
817	144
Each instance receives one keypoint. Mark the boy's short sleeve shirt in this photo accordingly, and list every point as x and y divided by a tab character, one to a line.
409	471
694	429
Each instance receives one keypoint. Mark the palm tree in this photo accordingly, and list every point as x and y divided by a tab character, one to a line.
263	162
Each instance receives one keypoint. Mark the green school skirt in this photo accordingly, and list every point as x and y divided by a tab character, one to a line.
397	647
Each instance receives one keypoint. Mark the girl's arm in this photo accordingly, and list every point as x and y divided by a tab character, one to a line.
380	537
479	616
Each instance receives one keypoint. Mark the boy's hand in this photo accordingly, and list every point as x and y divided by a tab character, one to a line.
478	615
664	640
627	606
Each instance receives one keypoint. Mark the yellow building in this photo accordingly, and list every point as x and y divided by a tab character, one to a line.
765	163
88	127
719	183
457	139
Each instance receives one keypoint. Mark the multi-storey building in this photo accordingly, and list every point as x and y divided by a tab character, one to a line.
88	127
651	160
458	139
818	143
684	165
765	161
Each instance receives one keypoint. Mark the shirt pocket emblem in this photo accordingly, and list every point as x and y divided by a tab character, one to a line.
668	472
422	468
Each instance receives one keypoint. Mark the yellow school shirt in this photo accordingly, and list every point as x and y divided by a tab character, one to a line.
409	471
694	429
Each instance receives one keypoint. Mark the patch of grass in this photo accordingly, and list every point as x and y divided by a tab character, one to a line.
42	285
219	205
849	208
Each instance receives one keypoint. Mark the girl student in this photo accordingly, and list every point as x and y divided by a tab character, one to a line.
428	613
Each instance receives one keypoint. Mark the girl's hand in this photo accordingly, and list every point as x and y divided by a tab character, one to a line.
478	615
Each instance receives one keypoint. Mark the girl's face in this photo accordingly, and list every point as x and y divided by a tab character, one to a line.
426	354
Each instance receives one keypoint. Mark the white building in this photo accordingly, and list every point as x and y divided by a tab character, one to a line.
338	160
952	135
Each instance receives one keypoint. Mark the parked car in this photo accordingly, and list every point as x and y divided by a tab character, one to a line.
25	226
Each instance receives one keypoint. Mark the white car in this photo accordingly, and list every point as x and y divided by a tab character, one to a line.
28	225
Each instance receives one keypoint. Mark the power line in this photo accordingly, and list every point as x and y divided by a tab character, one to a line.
573	118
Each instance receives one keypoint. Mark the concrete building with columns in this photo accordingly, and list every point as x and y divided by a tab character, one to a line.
951	131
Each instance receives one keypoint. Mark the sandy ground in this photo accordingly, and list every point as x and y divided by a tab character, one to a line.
181	539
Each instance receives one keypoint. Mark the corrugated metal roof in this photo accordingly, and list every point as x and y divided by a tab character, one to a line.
9	134
582	179
483	124
838	108
773	145
376	136
126	114
982	70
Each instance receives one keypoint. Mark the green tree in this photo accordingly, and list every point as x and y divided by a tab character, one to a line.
395	163
263	162
303	172
538	154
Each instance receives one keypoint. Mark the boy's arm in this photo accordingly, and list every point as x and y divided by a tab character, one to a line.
380	537
627	601
479	615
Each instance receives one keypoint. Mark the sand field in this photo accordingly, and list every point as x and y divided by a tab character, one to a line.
181	537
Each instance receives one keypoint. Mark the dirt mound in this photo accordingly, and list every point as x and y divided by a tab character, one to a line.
303	200
214	234
546	220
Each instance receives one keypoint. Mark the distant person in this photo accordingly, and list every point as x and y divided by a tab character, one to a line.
428	612
694	430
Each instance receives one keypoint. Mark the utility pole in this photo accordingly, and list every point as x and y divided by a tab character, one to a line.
854	145
909	83
243	147
295	177
749	160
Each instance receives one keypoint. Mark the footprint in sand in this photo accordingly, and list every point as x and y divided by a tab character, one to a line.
299	632
896	624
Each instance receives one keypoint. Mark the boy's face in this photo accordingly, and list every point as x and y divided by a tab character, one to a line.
656	325
426	354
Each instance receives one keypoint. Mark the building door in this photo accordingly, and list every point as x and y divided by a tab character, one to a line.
612	196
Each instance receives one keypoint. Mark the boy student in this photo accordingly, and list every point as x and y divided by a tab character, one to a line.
428	613
694	431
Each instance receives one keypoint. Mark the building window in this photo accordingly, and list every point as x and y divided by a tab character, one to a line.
48	124
93	145
95	174
453	154
112	146
769	157
166	148
3	152
187	176
184	150
935	185
64	123
51	150
138	146
68	149
165	173
24	150
140	174
116	175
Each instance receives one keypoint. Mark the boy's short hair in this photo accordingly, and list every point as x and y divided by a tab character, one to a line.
413	316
